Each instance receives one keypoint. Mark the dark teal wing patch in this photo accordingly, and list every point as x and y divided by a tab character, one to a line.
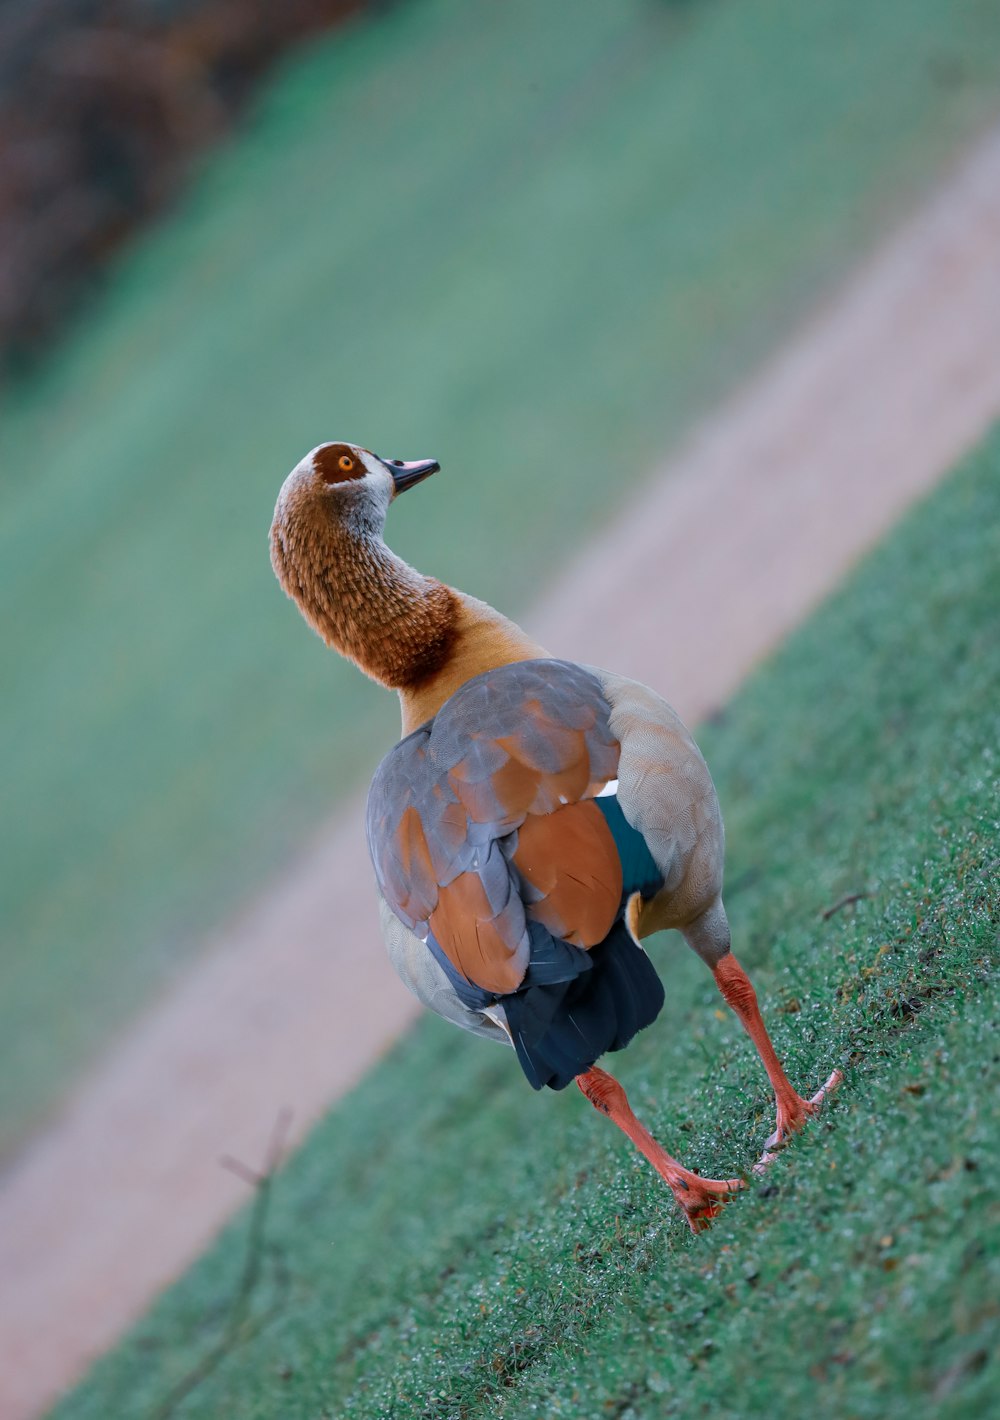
639	869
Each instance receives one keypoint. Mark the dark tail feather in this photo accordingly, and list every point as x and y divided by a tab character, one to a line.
560	1029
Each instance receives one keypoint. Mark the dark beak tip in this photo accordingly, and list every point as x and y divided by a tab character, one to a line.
406	475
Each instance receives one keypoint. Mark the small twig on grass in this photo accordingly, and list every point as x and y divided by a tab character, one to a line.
844	902
236	1330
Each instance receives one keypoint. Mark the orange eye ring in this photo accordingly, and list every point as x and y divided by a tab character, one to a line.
346	462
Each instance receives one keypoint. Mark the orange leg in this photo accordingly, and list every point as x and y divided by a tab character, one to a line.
793	1110
699	1198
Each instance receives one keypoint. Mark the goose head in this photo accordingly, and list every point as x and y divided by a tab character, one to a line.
328	553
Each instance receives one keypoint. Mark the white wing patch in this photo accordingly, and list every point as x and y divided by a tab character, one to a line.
498	1016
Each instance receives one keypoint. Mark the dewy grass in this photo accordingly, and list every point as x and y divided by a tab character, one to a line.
449	1245
529	240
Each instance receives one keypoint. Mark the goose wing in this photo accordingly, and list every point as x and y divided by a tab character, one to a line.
483	833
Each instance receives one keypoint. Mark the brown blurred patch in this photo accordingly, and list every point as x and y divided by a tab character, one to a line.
103	106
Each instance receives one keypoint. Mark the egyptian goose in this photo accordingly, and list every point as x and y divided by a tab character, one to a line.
536	819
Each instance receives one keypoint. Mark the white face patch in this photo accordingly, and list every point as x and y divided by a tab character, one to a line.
376	468
610	788
377	476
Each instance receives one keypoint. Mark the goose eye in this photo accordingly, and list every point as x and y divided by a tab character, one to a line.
334	464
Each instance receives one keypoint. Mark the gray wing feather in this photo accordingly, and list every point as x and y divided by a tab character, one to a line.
666	792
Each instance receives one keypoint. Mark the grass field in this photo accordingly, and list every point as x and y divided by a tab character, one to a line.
533	243
449	1245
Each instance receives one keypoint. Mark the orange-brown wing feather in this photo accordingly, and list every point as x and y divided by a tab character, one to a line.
415	860
470	936
570	858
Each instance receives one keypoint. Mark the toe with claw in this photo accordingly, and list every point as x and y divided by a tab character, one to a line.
702	1199
793	1114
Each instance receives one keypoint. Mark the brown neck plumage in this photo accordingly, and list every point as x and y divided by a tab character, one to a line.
366	602
410	633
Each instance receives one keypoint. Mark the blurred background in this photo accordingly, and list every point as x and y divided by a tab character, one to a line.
535	242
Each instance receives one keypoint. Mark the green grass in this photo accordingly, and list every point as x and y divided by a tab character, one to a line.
530	240
449	1245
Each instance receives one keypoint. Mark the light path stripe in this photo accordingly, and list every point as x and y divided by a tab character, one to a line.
756	518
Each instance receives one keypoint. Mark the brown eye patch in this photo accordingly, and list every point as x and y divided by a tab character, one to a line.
336	463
